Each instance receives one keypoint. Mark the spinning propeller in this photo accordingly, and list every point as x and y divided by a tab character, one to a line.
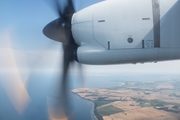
60	30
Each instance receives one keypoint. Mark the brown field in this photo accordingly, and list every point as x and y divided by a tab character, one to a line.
132	109
140	113
145	113
125	95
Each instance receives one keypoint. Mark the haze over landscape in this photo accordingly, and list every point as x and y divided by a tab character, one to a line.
136	99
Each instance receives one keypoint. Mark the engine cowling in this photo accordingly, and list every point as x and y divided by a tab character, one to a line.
101	56
129	35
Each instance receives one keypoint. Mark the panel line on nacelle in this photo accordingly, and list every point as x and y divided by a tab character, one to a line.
156	22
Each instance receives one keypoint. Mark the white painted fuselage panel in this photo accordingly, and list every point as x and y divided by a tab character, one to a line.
117	20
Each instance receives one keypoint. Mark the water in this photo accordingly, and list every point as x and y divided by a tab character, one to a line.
84	109
39	86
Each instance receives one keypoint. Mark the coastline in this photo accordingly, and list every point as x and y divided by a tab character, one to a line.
96	115
149	99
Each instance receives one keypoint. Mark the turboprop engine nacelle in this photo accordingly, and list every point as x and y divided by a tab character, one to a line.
127	31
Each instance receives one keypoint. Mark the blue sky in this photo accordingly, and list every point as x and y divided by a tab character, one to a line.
27	18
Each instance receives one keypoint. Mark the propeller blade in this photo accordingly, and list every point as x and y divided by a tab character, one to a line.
60	30
59	9
59	103
64	91
70	6
82	79
11	77
57	6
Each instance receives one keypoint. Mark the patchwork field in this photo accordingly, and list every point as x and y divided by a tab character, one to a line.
136	100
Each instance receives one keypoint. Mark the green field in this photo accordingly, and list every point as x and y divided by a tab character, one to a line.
154	102
102	102
108	110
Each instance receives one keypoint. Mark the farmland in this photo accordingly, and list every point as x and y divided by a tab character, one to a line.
136	100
